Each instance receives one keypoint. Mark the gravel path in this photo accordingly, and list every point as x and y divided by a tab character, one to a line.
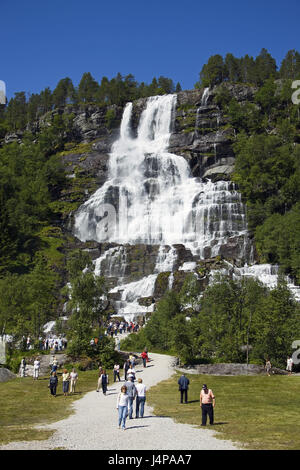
94	424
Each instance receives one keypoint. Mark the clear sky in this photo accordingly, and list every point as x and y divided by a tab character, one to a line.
43	41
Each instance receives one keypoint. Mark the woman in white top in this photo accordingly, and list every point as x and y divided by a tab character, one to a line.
140	399
36	369
131	371
73	380
122	406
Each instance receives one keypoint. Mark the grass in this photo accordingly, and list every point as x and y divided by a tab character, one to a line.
26	403
256	412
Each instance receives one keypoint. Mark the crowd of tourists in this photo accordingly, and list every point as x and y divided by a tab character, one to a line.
113	328
50	342
133	389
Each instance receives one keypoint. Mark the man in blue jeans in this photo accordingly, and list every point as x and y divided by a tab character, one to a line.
131	392
183	383
140	399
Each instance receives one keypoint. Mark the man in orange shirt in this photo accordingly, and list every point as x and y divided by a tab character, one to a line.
207	404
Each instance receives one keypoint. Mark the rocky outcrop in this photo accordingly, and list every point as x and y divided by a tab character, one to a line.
6	374
202	133
229	369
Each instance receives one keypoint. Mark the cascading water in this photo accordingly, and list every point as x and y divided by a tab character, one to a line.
151	198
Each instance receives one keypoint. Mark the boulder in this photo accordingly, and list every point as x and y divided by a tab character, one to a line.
6	374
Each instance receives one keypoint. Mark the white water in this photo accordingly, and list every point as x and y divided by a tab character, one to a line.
150	196
268	275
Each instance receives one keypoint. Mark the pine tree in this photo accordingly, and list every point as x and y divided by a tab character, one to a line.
290	66
88	89
64	93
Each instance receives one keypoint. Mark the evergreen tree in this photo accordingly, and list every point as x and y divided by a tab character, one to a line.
265	66
178	88
248	71
290	66
16	111
64	93
46	100
232	68
213	73
88	89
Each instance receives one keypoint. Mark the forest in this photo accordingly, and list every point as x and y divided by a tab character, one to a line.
33	264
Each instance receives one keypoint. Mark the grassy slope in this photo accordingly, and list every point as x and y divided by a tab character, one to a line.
25	403
260	412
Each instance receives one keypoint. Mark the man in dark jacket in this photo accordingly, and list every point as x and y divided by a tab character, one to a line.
53	383
183	383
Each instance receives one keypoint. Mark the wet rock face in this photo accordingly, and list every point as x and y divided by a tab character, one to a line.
203	136
201	133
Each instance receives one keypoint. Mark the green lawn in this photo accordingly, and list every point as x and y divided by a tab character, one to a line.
26	403
258	412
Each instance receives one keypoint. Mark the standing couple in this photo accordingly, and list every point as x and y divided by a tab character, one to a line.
128	393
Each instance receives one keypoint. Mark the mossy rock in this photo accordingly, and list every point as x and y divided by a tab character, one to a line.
161	284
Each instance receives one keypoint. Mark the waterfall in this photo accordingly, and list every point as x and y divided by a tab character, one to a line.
205	96
150	196
268	274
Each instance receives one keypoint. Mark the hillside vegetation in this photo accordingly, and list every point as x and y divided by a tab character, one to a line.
34	242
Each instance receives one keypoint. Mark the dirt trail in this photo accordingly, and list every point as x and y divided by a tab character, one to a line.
94	424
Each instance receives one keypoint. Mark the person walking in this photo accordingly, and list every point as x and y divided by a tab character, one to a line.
36	369
131	372
53	383
268	367
132	359
54	365
146	351
140	398
116	372
100	372
66	382
23	367
126	367
207	404
144	356
73	380
104	381
122	406
131	391
289	365
183	383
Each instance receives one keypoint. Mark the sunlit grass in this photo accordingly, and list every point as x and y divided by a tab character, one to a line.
26	403
257	412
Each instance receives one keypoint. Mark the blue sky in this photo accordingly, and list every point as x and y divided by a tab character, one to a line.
44	41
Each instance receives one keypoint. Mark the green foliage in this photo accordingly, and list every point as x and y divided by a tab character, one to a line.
234	321
110	118
87	300
29	179
87	89
27	302
213	73
64	93
247	69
